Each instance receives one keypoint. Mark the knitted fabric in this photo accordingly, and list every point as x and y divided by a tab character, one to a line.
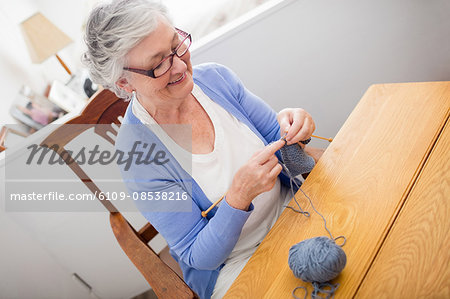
296	160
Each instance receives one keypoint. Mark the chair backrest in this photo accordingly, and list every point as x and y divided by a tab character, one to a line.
105	109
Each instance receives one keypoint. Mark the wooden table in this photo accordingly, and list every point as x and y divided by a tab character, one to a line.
384	184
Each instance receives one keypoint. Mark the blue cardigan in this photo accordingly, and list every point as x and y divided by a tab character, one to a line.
200	245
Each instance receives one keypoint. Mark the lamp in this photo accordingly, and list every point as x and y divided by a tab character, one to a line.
44	39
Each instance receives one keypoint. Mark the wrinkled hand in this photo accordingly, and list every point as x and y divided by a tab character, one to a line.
257	176
298	124
314	152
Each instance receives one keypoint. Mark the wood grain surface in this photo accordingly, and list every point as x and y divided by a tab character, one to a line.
414	261
359	185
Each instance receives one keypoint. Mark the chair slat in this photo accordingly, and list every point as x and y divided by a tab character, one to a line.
148	232
105	108
164	281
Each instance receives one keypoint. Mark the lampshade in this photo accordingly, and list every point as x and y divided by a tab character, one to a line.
43	39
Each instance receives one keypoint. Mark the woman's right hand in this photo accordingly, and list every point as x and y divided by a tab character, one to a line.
256	176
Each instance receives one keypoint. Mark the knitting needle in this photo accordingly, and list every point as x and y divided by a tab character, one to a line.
204	213
328	139
315	136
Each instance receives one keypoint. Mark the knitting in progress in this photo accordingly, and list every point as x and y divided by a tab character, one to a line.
317	260
296	160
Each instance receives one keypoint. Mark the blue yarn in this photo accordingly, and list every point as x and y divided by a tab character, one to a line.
295	158
317	259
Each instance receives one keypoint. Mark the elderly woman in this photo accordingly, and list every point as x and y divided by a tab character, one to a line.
134	50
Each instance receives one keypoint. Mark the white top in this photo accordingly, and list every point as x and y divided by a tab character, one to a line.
234	145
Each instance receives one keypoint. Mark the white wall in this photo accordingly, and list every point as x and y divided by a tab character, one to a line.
16	68
28	270
15	63
39	251
322	55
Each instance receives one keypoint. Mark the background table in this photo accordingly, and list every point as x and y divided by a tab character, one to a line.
384	184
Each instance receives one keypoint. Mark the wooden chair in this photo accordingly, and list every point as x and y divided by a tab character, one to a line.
163	276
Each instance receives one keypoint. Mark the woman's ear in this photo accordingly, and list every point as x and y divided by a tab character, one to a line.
123	83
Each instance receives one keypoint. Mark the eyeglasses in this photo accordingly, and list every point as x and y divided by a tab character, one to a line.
167	62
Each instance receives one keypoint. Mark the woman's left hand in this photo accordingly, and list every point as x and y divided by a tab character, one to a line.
298	124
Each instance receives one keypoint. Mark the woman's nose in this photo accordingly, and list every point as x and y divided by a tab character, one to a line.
178	65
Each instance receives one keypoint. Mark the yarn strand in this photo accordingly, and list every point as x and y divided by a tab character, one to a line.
318	288
293	292
292	183
317	260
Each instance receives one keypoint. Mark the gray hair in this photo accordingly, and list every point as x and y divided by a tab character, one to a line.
112	30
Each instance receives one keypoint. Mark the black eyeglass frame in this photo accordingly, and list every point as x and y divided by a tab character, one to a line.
151	73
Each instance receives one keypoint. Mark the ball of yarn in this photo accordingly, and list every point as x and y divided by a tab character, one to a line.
318	259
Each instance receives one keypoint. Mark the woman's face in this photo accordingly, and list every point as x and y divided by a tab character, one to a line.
176	83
